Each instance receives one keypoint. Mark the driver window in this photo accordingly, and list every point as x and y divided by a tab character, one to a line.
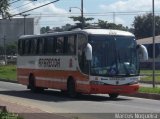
82	42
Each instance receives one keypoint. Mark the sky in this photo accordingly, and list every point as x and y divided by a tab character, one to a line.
114	11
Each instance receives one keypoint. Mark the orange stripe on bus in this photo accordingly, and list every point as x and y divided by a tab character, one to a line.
23	81
50	84
52	74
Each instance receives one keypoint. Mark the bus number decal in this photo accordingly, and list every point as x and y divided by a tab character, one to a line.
49	62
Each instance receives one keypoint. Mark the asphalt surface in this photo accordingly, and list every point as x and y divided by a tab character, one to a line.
85	106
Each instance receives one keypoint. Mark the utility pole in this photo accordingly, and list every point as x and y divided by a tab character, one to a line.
24	22
114	17
83	24
5	53
153	24
82	16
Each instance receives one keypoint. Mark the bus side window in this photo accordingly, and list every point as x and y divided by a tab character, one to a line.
40	48
60	45
26	46
20	47
33	46
82	42
49	46
71	45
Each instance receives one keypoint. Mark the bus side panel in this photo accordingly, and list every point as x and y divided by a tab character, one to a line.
58	80
22	77
54	79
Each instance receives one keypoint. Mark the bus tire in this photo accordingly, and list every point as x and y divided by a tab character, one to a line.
32	85
71	90
113	95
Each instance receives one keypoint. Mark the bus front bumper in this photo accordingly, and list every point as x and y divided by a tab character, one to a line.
108	89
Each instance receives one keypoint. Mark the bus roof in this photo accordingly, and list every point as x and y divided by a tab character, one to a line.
85	31
108	32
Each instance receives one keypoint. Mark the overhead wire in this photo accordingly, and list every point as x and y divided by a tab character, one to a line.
14	2
91	14
20	6
31	9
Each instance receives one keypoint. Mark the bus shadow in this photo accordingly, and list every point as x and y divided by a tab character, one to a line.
57	96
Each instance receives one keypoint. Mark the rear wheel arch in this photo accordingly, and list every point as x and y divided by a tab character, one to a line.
69	79
32	84
31	79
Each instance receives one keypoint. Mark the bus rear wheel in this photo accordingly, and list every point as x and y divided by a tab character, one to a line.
113	95
32	85
71	90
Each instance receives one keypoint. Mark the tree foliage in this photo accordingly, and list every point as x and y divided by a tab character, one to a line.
4	8
12	48
106	25
143	26
45	29
79	19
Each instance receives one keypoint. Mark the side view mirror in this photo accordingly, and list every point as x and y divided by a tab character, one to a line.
142	52
88	52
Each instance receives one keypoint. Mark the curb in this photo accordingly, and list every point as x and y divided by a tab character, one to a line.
145	95
7	80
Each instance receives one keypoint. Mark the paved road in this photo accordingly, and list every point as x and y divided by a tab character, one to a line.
54	102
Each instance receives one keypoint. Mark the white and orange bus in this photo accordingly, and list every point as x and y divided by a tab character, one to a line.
89	61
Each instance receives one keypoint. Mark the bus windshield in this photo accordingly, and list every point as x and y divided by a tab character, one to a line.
114	55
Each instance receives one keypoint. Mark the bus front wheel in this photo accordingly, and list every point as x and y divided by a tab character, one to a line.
113	95
71	90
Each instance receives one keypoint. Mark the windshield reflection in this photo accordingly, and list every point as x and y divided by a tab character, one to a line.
114	56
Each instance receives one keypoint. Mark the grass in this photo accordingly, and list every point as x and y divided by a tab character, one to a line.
8	72
149	72
149	90
6	115
148	76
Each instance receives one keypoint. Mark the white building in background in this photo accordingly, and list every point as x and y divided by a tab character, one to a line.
14	28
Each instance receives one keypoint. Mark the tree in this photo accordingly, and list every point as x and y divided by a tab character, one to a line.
67	27
58	29
105	25
12	48
45	29
4	7
79	19
143	26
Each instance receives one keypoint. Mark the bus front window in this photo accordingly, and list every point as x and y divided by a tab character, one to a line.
113	55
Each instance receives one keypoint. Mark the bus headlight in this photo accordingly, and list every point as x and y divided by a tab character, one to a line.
96	83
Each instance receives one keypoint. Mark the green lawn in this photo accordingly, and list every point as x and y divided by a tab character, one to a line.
8	72
6	115
149	90
149	72
148	76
